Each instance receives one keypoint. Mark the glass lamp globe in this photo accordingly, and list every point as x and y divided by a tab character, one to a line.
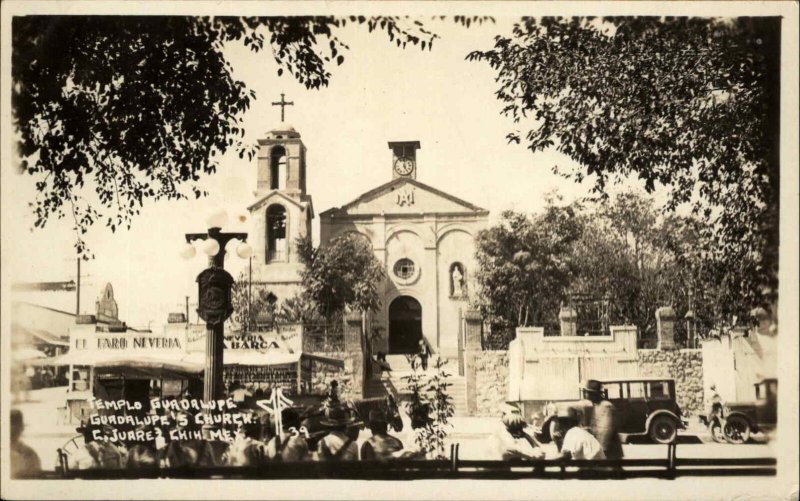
210	247
188	251
217	219
244	251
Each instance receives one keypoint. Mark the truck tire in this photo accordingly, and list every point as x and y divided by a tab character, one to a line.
663	429
737	430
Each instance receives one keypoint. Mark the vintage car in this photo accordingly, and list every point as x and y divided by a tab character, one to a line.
644	407
761	416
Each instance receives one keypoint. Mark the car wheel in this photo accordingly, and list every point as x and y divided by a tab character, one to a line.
737	430
663	430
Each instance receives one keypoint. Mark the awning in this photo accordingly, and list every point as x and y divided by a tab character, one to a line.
43	335
248	357
27	354
147	368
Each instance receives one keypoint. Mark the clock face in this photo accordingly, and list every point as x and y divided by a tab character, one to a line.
403	166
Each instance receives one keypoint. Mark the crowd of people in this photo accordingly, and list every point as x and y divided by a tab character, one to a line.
254	443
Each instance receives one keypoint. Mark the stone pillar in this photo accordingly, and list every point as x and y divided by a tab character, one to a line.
354	353
568	319
472	331
472	347
665	324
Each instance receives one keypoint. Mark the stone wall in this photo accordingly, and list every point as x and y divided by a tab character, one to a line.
322	374
685	367
487	382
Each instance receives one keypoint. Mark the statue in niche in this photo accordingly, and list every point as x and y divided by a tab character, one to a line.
457	280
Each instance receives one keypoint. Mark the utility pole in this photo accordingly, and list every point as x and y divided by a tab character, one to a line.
78	290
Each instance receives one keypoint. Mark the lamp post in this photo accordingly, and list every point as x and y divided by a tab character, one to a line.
214	295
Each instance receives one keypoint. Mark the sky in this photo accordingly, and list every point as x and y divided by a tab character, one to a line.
381	93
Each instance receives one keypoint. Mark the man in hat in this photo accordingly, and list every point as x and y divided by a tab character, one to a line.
97	450
604	419
338	445
380	445
24	460
576	443
513	441
289	445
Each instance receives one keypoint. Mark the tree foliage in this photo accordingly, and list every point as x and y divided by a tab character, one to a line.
622	252
342	273
691	104
113	111
523	270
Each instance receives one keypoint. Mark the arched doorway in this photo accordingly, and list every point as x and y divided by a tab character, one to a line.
405	325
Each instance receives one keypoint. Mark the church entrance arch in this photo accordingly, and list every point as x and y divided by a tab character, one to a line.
405	325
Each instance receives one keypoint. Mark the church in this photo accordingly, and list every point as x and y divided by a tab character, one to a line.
423	236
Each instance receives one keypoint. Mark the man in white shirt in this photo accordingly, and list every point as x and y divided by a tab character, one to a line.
577	443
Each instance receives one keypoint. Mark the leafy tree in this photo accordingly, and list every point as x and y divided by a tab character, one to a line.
691	104
342	273
112	111
523	273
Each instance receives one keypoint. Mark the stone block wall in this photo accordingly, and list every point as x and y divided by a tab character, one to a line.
685	367
487	382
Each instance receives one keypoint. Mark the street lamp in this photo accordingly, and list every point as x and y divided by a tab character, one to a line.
214	294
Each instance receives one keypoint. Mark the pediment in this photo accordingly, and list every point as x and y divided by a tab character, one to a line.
276	195
405	196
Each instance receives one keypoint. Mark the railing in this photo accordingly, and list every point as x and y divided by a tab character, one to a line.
454	468
323	337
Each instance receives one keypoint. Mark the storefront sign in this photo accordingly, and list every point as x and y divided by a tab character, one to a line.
129	341
251	341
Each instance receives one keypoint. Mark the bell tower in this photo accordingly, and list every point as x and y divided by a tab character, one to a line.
282	211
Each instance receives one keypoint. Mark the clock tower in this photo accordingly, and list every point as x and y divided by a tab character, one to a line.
404	158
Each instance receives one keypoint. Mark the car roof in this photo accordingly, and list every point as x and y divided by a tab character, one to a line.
635	380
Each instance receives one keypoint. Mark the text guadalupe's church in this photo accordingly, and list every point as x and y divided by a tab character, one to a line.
424	237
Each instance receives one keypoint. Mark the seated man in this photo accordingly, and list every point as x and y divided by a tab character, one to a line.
514	442
576	443
420	418
290	445
380	445
247	449
337	445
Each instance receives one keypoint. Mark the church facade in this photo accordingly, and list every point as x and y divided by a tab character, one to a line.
424	237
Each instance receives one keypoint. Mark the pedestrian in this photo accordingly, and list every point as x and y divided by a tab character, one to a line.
380	446
338	445
290	444
24	460
513	441
576	443
423	352
605	424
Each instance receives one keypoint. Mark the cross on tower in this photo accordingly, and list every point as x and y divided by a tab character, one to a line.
283	103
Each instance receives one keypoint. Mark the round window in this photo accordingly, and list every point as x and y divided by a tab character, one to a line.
404	269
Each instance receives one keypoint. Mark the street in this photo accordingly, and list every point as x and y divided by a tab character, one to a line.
474	435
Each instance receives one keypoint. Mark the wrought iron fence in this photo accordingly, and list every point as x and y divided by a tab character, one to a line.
323	337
